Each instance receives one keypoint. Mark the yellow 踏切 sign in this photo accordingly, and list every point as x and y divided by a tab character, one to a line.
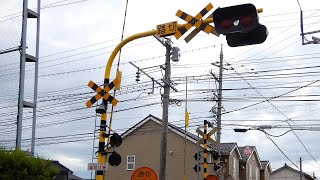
167	29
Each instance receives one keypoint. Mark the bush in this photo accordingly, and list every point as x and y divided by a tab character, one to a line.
17	165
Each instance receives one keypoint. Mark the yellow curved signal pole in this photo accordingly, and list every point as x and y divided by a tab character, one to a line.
101	158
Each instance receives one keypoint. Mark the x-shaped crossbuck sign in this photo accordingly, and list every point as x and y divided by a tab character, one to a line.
194	21
103	93
208	136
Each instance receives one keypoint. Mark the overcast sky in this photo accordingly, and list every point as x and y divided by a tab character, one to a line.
77	38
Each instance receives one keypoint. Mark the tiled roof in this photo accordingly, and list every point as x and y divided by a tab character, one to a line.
264	164
225	148
292	169
193	136
61	167
74	177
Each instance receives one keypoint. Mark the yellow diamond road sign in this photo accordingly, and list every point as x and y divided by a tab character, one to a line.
167	29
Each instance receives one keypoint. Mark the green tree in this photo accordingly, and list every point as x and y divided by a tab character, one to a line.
17	165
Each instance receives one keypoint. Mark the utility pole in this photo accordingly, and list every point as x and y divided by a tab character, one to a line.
220	97
35	90
300	168
165	112
22	73
27	58
174	51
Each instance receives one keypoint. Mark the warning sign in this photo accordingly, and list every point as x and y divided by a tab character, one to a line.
144	173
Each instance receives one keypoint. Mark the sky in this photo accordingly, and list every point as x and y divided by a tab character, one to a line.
274	83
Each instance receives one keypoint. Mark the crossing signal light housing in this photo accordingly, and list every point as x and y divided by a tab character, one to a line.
240	24
216	156
216	160
256	36
240	18
114	159
115	140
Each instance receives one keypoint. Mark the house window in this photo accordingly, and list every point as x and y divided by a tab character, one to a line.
257	174
234	170
250	172
130	162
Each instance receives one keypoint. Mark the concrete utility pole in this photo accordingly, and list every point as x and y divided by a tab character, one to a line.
165	112
220	98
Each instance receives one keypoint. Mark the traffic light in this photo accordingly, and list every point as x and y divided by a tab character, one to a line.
256	36
215	156
115	141
216	160
240	18
240	24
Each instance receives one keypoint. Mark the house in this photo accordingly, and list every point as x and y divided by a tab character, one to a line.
289	173
265	171
249	165
231	156
141	148
65	173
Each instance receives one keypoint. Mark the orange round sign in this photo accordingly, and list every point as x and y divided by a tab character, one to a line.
212	177
144	173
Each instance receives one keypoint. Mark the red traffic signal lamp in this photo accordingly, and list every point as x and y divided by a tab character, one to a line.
240	18
240	24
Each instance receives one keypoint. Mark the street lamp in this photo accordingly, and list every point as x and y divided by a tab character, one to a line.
260	128
316	40
263	127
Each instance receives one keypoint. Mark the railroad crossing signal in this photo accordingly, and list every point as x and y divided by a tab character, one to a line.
208	136
103	93
240	24
194	21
